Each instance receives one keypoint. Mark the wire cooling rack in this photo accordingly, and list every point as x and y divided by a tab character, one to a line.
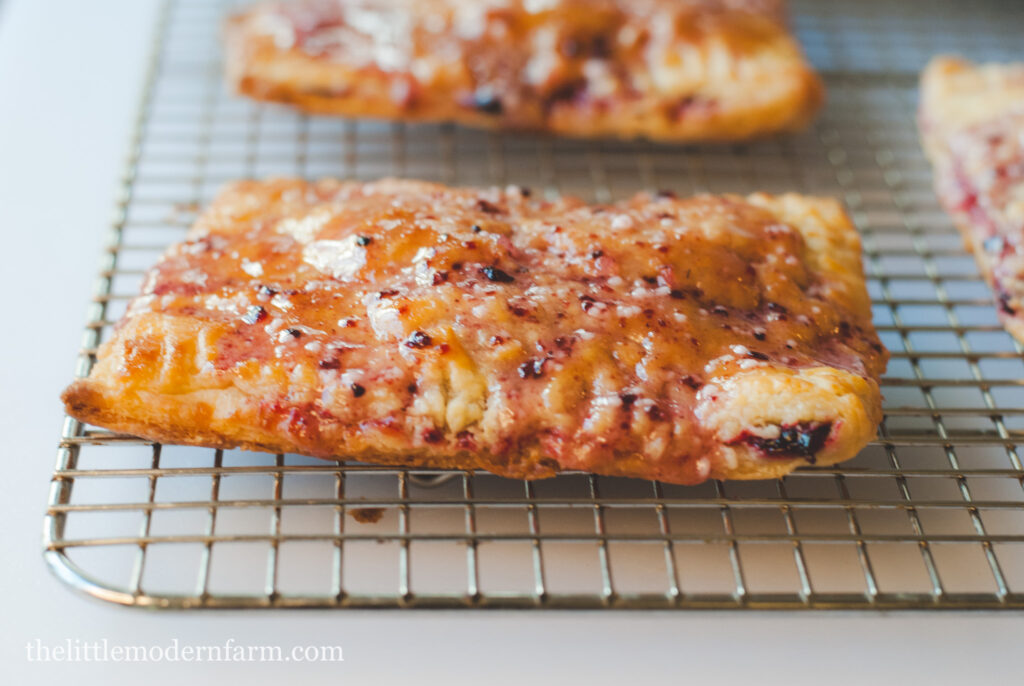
931	515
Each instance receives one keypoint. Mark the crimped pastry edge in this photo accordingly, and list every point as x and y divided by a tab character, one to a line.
167	416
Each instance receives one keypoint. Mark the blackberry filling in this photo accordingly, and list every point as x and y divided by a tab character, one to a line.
487	101
804	439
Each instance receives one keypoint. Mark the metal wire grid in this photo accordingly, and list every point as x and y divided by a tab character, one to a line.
929	516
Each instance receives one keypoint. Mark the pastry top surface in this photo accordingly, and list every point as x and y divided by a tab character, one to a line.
957	93
975	114
477	317
435	39
972	120
526	63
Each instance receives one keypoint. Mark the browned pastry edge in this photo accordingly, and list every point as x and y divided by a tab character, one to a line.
87	404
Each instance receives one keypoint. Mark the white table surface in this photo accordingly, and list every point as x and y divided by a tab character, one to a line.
70	72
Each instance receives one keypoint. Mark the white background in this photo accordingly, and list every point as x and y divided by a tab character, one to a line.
70	72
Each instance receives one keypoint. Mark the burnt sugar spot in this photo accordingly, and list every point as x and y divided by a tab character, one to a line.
367	515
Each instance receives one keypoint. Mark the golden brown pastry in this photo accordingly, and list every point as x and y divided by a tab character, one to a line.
663	69
972	124
413	324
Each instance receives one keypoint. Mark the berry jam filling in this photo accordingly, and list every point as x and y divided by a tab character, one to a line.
804	439
487	101
1005	301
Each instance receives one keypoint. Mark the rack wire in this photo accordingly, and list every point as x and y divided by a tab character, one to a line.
931	515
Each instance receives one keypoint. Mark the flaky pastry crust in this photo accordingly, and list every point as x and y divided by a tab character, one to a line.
662	69
409	323
972	126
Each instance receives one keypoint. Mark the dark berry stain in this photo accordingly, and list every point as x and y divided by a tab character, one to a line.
496	275
418	339
587	302
466	440
485	100
565	93
488	207
532	369
254	314
692	382
1005	305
